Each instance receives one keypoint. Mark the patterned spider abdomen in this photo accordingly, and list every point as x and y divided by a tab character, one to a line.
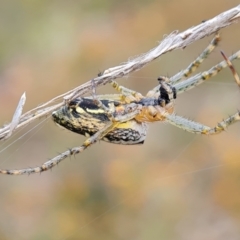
84	117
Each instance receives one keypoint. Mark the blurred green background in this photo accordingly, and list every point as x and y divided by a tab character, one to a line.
177	186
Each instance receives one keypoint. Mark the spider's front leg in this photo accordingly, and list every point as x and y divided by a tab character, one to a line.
202	77
197	62
192	67
195	127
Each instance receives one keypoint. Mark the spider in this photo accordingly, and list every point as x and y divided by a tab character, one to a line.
123	118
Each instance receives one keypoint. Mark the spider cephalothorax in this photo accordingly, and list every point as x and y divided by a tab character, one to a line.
123	118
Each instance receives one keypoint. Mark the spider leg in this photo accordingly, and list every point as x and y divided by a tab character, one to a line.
192	67
198	128
127	113
54	161
196	63
201	77
230	65
176	78
127	94
123	90
130	112
195	127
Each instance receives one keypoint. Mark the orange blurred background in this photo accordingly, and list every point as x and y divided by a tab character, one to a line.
176	186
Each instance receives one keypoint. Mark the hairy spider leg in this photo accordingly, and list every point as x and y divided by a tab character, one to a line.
125	92
87	143
202	77
195	127
196	63
191	68
127	95
235	74
54	161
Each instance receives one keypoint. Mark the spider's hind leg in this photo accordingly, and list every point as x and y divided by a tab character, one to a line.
54	161
130	113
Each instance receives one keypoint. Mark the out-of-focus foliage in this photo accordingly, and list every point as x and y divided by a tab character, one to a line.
175	186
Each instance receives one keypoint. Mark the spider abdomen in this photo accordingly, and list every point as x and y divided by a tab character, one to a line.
84	117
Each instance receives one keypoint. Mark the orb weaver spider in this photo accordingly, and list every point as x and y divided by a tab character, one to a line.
123	118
